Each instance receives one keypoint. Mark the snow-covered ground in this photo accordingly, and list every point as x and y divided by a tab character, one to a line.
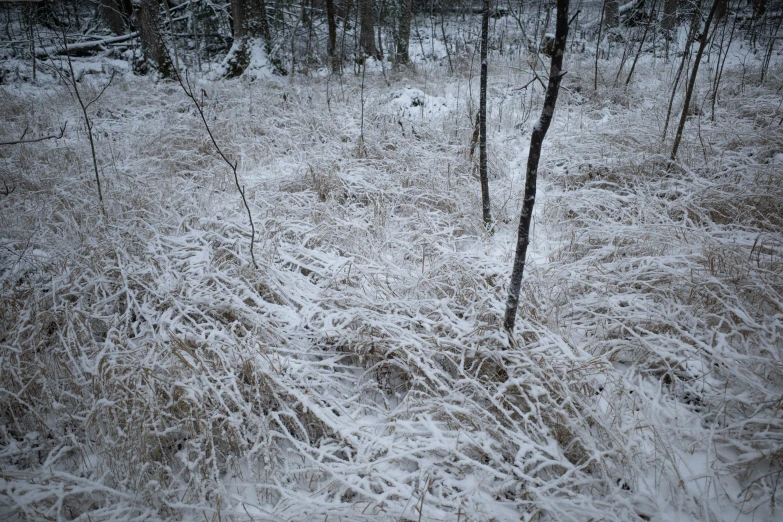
361	372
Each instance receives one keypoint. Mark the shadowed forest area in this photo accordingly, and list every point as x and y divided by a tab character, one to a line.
396	260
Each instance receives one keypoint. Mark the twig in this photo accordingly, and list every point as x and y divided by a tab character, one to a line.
12	188
188	89
535	73
50	137
598	45
113	73
778	472
527	84
87	121
424	494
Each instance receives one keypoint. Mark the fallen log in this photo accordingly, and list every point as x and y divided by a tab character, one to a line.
43	52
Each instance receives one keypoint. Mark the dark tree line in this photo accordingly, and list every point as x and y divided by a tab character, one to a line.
342	33
353	26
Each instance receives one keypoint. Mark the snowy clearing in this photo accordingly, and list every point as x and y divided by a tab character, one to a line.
148	371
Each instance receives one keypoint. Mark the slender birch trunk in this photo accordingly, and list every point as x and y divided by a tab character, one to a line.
689	93
539	132
485	203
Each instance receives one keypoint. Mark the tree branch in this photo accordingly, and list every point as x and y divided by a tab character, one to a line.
87	121
50	137
188	89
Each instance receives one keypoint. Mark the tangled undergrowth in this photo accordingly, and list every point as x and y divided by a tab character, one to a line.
149	372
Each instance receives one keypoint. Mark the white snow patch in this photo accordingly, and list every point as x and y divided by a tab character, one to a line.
414	103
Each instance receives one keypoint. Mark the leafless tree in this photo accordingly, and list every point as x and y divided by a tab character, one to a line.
331	47
540	129
705	32
647	25
148	17
695	22
612	13
367	18
598	44
403	34
249	22
188	88
669	20
117	14
485	203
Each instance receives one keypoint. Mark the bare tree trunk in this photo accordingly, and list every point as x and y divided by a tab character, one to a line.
641	44
249	22
404	31
723	9
597	45
332	43
148	17
259	24
445	40
117	13
367	20
686	53
770	48
539	132
45	14
759	8
31	28
485	203
622	63
720	65
380	32
689	93
173	34
669	20
612	13
87	121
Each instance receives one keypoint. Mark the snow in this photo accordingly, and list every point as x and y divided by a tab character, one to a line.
150	372
258	66
415	104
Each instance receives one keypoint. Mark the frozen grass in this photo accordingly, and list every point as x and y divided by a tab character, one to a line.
361	372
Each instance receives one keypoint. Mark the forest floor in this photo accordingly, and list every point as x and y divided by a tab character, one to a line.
360	371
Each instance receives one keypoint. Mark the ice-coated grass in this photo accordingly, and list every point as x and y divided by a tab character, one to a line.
361	373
